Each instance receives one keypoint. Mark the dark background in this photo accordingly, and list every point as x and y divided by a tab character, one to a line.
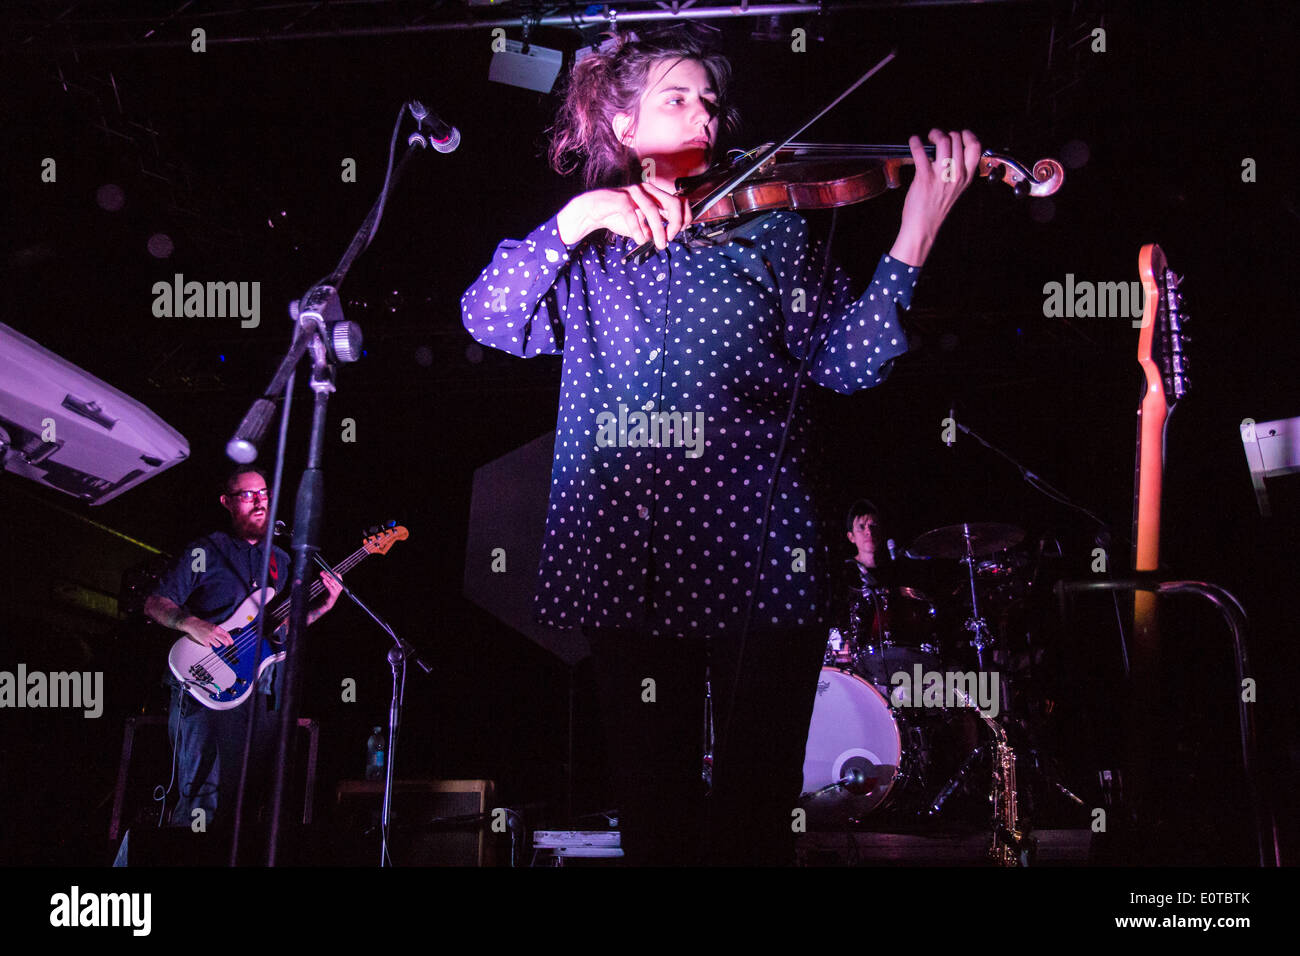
235	154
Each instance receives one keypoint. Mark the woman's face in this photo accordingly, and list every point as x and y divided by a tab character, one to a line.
677	126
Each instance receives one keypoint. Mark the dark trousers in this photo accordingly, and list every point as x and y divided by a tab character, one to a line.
210	750
655	736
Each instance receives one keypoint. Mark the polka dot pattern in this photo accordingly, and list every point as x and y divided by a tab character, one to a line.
664	536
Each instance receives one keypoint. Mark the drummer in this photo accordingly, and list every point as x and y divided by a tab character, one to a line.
866	532
870	567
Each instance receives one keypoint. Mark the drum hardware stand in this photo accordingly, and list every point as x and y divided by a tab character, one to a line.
1010	846
955	781
1048	776
975	623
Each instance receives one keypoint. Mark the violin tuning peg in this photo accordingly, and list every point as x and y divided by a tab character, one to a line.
1021	188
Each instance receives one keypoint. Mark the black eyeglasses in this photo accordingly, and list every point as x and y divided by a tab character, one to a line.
251	495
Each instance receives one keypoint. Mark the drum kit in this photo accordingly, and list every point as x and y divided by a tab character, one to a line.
880	753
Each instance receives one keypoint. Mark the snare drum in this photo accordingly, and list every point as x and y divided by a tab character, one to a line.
892	630
904	617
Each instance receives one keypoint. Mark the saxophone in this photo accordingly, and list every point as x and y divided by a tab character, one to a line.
1009	846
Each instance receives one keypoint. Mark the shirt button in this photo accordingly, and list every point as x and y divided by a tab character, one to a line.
661	277
642	511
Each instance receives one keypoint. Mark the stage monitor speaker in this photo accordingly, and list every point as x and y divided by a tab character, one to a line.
434	823
64	428
507	511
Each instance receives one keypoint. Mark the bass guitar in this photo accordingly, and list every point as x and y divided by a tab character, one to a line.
220	678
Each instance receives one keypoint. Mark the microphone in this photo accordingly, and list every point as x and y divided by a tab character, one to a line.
854	781
442	137
893	549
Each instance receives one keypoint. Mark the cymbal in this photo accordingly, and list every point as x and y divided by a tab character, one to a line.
985	538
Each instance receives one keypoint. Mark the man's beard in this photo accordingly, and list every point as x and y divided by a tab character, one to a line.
251	527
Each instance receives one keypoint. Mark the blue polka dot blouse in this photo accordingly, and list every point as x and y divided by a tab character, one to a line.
677	377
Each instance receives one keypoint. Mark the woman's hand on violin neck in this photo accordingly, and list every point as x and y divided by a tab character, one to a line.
642	211
934	190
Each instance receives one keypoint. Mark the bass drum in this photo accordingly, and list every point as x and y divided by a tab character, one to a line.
860	756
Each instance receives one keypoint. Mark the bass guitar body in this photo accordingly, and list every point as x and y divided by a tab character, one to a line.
220	678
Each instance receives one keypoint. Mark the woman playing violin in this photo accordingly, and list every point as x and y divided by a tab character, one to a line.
677	379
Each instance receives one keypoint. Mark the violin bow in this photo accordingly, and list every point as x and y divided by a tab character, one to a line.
642	252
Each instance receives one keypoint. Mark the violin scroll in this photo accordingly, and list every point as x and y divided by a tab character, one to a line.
1044	180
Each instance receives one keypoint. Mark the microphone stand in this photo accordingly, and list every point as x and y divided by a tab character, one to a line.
1032	479
397	657
1038	484
322	332
980	628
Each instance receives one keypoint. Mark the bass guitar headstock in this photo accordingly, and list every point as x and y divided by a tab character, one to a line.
379	540
1162	344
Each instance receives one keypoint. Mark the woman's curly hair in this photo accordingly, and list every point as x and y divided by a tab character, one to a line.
610	81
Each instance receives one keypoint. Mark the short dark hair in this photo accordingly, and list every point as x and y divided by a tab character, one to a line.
242	470
859	508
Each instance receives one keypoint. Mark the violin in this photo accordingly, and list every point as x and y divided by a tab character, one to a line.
827	175
806	176
790	175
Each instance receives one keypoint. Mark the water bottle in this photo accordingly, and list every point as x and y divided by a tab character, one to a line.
375	749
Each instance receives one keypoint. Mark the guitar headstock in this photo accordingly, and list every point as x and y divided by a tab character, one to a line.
1162	342
379	540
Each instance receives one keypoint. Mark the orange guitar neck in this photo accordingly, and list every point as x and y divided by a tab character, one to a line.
1152	413
1164	381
